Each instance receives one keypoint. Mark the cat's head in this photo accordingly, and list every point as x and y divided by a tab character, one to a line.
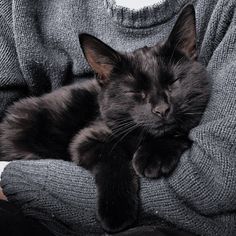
159	89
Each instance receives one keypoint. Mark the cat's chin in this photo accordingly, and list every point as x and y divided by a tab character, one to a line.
163	130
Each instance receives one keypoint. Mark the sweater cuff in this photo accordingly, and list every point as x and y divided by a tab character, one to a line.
3	164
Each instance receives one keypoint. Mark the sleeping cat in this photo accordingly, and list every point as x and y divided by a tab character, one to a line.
132	120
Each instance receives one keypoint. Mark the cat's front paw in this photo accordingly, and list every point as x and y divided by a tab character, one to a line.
88	146
116	214
149	163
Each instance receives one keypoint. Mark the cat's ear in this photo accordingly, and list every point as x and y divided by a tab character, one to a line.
102	58
183	34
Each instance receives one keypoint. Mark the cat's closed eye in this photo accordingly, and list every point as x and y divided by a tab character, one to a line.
173	84
139	94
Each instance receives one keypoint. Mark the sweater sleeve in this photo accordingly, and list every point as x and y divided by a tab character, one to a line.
61	195
12	84
199	196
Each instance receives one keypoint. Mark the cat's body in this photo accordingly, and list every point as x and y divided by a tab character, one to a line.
45	126
133	120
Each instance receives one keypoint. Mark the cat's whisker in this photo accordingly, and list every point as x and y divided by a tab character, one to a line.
120	128
128	131
118	135
193	113
120	124
125	130
120	131
140	138
122	121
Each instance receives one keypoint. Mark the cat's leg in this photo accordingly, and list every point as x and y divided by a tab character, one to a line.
159	157
116	181
88	145
117	193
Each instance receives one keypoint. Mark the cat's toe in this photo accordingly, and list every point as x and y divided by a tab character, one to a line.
139	162
154	166
153	170
160	166
169	165
146	164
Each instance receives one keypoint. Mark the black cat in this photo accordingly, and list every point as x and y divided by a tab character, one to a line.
133	119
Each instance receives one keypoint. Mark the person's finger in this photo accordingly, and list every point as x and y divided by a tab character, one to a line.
2	196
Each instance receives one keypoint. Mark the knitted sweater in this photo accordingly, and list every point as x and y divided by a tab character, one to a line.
40	51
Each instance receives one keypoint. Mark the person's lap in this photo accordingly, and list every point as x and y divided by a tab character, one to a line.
13	222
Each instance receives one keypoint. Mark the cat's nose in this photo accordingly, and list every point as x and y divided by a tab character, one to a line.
161	110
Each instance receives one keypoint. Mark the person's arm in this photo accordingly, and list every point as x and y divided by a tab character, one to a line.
59	194
199	196
12	84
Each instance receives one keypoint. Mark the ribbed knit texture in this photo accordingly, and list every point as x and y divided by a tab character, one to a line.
39	52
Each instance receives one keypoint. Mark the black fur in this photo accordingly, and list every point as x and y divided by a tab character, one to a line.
134	119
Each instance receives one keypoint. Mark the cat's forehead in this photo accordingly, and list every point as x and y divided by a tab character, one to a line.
151	62
144	59
146	53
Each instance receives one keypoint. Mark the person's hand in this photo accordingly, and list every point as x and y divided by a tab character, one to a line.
3	164
2	196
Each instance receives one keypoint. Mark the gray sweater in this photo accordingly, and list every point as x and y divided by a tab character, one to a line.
39	52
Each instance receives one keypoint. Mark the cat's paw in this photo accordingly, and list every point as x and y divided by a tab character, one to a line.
88	145
116	215
150	164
